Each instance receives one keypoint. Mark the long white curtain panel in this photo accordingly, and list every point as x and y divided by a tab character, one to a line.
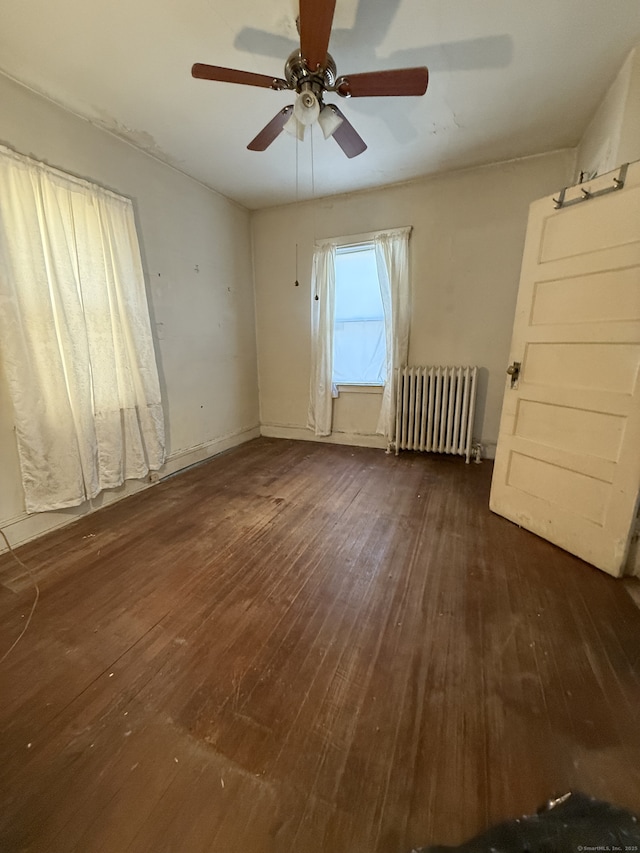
75	336
392	258
323	289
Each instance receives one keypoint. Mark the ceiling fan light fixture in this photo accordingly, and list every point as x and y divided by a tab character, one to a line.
329	120
306	108
294	127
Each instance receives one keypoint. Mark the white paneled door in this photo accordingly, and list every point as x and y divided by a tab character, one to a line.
568	458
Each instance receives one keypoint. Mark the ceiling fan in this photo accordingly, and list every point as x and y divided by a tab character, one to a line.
311	72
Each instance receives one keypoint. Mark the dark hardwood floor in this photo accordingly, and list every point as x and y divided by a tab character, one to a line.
309	648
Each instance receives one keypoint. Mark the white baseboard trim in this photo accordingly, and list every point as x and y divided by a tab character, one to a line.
304	434
271	430
488	449
186	458
25	527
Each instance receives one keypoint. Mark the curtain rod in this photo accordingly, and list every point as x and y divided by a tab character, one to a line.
367	237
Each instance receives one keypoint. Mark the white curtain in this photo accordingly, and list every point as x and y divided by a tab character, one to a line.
75	336
322	317
392	258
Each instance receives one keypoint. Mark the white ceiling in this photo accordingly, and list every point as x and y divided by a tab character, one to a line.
508	78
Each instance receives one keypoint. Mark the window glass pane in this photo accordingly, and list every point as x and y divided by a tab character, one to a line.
359	348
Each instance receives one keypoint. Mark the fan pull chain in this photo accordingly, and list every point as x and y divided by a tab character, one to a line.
313	195
297	282
313	179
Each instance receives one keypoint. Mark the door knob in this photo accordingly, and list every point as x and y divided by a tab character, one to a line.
514	372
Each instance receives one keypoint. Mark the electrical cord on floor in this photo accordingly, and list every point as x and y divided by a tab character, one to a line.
35	600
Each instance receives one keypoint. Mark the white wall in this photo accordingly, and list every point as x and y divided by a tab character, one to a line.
629	148
613	135
196	248
466	248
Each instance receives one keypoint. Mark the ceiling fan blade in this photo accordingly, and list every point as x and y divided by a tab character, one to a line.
398	81
316	18
272	130
348	137
231	75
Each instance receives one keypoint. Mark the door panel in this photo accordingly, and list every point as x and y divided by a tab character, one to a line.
593	366
569	429
591	227
600	297
568	458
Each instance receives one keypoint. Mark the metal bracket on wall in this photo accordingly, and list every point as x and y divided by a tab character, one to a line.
618	183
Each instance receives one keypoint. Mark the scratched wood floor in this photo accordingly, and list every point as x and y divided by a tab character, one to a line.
309	648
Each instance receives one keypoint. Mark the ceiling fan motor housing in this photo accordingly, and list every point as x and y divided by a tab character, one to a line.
298	74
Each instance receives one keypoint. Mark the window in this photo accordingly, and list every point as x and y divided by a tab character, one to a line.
359	344
389	250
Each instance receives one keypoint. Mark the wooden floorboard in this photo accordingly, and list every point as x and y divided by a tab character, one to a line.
310	648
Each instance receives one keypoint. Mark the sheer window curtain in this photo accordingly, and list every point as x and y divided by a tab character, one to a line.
392	261
75	336
322	318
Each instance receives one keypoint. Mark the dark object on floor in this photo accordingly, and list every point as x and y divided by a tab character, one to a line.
572	822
